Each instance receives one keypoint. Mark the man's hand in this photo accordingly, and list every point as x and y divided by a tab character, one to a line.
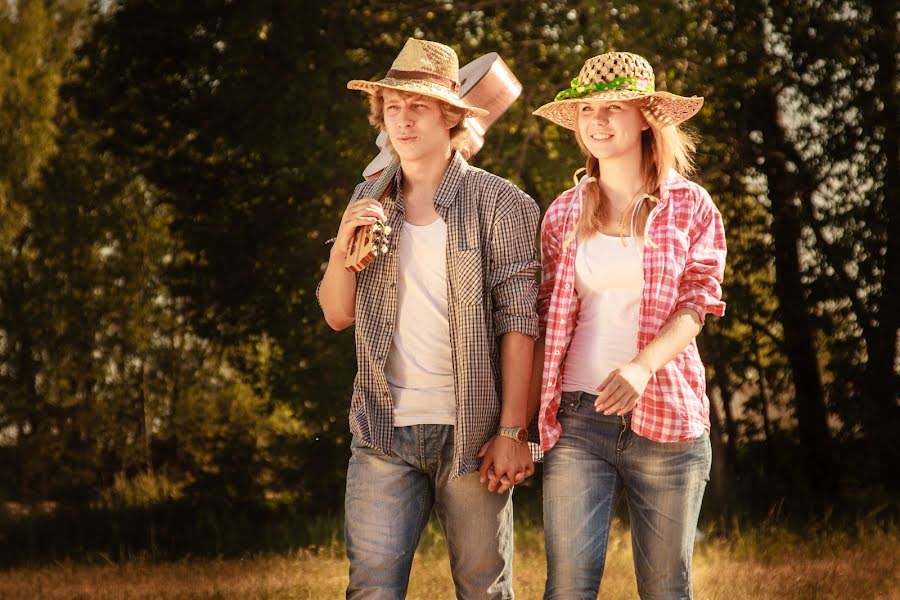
365	211
622	389
504	463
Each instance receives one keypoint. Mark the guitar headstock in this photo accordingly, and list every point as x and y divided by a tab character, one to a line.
367	243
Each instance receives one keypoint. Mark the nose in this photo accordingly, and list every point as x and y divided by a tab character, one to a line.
601	116
405	117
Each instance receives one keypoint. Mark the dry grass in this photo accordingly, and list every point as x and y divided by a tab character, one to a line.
763	564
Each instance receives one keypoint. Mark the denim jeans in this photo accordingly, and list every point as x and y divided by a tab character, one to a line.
389	501
595	459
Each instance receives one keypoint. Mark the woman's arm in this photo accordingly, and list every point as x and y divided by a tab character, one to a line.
623	387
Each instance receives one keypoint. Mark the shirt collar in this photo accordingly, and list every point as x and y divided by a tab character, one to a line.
447	190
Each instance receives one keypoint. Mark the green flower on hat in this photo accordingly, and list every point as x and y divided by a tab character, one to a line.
578	90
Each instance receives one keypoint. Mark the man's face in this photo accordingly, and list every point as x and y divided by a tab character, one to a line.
415	125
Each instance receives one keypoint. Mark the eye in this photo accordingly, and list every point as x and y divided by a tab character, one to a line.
586	108
615	107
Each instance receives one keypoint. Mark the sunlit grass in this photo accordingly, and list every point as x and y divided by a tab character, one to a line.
760	564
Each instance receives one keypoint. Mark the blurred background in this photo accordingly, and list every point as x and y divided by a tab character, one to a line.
170	171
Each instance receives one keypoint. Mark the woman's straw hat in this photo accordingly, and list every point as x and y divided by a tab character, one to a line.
426	68
619	76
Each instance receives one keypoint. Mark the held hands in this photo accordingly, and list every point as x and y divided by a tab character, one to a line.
366	211
504	463
622	389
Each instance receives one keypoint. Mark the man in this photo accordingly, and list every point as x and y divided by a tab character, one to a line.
445	328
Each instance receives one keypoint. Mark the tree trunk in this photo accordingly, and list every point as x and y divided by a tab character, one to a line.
764	409
146	420
883	415
713	352
799	335
721	478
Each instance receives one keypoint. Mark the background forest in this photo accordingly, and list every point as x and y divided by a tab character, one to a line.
170	171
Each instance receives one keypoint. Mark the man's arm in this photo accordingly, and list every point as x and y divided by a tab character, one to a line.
505	461
513	292
337	292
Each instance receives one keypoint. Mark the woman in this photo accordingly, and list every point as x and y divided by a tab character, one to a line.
633	258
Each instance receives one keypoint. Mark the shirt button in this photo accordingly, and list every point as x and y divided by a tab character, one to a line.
568	286
557	352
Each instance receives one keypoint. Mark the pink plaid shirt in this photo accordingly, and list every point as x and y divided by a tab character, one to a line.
684	262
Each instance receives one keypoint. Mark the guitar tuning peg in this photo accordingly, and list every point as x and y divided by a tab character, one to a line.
387	229
384	248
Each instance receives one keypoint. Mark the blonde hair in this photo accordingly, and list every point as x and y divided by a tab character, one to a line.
453	117
662	148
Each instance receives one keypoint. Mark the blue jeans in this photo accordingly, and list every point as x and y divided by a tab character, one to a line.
595	459
388	504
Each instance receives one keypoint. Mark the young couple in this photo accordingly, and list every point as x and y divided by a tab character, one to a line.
449	373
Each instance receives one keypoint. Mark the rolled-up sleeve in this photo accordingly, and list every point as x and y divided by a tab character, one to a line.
513	268
700	288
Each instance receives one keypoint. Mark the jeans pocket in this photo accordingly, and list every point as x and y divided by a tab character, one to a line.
568	402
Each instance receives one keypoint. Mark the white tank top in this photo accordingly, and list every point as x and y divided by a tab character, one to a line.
419	366
609	280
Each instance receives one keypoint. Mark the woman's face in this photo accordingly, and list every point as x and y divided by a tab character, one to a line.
611	130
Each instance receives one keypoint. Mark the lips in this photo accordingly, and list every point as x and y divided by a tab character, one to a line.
599	137
405	139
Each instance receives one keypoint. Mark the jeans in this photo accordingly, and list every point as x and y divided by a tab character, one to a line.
595	459
389	501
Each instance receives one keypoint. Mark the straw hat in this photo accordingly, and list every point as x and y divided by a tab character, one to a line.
426	68
619	76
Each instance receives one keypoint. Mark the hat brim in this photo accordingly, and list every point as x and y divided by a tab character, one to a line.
417	86
662	107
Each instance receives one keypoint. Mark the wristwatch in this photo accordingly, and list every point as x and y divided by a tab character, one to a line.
520	434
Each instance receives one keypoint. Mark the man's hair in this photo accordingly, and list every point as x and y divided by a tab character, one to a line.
662	148
453	116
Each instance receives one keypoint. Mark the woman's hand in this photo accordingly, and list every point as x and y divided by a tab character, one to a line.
504	463
622	389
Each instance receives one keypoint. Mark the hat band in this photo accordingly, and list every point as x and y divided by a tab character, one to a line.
425	76
635	84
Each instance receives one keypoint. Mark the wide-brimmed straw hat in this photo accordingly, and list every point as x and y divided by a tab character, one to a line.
619	76
426	68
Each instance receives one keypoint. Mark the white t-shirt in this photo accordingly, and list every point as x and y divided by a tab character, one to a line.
609	280
419	366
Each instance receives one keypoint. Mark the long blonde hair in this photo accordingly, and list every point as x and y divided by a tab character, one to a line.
662	148
453	117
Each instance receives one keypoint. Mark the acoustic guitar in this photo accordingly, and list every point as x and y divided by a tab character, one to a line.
485	83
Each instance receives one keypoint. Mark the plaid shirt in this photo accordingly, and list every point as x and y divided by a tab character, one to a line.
492	288
683	263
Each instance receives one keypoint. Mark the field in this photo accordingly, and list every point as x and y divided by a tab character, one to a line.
760	564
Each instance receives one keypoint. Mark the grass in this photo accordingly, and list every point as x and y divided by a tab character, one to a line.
762	563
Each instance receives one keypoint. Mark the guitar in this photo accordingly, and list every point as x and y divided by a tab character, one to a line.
485	83
370	240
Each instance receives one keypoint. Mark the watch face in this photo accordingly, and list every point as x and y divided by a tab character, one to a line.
522	436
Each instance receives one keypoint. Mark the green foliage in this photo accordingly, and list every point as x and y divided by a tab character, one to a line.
169	173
